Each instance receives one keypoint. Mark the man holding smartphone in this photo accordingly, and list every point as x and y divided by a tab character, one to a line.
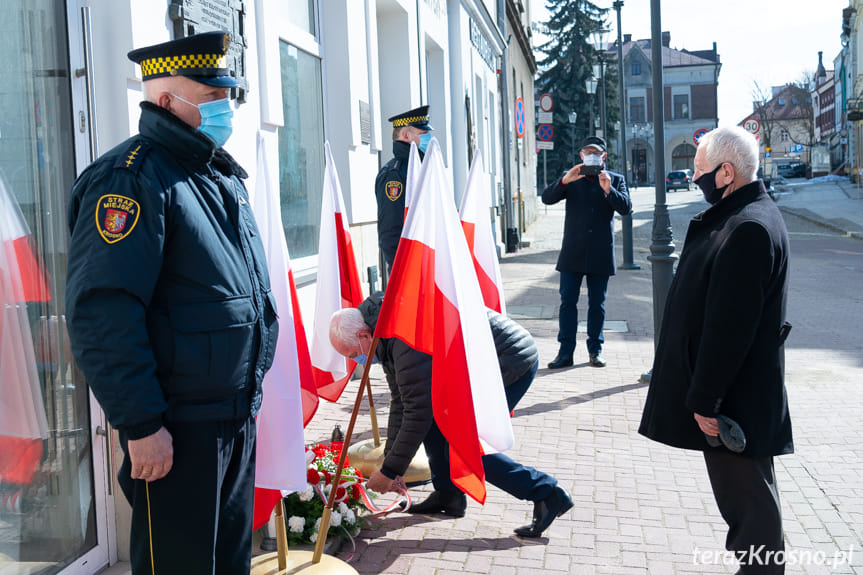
592	196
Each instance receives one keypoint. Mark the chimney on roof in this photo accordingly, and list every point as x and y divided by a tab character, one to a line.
666	39
627	38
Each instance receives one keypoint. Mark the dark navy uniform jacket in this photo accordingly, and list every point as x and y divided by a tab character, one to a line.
390	193
169	307
588	230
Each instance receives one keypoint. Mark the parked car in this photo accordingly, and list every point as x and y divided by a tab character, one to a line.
678	179
792	170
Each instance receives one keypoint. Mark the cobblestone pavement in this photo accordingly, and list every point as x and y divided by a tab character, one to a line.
642	507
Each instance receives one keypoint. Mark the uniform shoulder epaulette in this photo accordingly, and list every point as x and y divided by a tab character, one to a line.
133	157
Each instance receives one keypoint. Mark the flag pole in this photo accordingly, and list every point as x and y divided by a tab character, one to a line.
328	510
375	431
281	535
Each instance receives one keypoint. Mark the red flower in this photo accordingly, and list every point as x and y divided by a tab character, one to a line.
340	493
327	477
312	476
320	450
356	495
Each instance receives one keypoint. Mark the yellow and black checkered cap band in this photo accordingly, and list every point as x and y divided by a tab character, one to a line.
399	122
186	64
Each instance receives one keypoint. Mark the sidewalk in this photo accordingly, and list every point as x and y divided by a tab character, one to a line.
833	202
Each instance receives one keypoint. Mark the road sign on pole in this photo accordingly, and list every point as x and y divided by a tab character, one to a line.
519	117
545	132
545	145
698	134
752	126
546	103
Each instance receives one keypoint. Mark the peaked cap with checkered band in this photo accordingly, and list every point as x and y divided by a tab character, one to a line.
201	58
418	118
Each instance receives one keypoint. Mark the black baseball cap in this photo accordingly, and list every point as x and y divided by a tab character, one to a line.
594	142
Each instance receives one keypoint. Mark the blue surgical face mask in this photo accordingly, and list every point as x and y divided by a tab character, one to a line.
215	119
363	358
424	141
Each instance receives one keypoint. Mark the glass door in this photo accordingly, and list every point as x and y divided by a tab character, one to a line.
53	495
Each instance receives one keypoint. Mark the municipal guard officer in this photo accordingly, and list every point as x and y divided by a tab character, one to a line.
412	126
170	313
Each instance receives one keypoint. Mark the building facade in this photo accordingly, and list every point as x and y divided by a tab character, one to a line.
314	71
689	104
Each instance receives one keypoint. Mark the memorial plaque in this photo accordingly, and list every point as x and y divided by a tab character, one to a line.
195	16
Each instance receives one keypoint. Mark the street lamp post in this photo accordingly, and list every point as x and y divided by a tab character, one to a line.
590	87
662	256
626	221
573	116
599	46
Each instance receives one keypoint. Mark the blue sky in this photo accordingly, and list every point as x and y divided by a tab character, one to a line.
771	42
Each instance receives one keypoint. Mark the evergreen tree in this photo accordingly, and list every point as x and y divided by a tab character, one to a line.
568	62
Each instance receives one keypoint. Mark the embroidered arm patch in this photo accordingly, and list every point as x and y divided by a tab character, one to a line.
394	189
116	217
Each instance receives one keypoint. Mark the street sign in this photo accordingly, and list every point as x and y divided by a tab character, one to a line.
796	148
545	132
545	145
698	134
752	126
545	118
519	117
546	103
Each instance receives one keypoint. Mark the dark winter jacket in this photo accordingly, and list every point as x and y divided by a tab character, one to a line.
390	195
409	375
588	230
720	347
170	313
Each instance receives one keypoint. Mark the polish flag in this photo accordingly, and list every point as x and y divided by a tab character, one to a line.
23	425
338	286
290	395
474	214
412	180
434	304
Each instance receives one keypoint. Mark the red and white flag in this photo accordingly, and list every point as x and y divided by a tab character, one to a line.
434	304
23	425
474	214
290	395
413	175
338	286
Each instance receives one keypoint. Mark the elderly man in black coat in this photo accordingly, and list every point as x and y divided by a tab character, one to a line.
592	196
411	421
720	353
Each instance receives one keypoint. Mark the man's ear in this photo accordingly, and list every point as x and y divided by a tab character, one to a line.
164	101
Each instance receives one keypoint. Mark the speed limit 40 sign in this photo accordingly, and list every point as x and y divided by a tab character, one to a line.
752	126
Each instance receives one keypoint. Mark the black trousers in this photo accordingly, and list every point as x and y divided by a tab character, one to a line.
745	491
198	518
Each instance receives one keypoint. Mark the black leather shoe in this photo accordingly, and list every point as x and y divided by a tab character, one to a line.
596	360
546	511
452	503
562	360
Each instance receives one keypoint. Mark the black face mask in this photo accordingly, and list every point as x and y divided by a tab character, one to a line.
707	183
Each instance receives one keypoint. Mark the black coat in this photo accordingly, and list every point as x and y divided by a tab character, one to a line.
170	313
588	230
720	346
409	376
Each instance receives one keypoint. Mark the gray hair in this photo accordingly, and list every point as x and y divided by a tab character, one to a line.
346	324
733	145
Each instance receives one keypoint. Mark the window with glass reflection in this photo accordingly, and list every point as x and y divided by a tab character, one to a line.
47	510
301	150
